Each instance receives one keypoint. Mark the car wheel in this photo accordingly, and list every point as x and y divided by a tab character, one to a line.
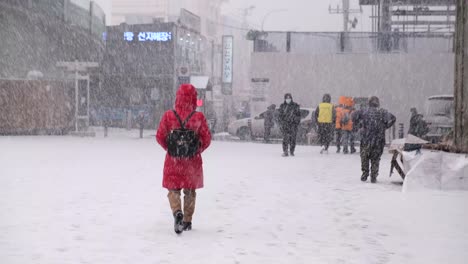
244	133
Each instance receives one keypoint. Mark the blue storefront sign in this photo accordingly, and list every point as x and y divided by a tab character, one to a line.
148	36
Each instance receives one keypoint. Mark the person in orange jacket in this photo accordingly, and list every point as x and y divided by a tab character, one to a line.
347	126
339	113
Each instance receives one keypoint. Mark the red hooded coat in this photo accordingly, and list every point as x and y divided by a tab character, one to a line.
184	173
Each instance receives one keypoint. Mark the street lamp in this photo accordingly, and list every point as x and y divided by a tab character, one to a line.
271	12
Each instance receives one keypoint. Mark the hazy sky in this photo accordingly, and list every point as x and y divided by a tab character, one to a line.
298	15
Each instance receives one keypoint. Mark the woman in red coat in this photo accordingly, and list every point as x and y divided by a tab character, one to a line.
183	173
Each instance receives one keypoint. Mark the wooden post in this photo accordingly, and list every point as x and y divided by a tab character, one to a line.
461	77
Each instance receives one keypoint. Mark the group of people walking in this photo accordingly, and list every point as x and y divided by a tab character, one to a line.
371	122
184	134
342	120
336	120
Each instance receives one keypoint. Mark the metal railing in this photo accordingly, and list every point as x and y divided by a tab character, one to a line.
353	42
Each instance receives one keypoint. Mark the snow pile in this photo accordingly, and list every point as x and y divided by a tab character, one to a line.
435	170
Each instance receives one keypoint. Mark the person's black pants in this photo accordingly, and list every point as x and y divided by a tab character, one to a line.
325	132
371	154
339	134
289	139
267	134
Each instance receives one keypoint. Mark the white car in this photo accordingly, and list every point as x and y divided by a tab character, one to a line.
251	128
439	117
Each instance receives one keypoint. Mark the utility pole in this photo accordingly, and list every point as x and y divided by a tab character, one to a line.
345	15
346	11
461	77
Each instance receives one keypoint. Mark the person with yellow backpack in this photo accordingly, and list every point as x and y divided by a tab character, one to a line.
325	116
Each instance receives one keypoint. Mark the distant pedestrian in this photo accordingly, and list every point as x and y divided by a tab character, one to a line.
325	115
269	122
338	131
347	126
106	120
141	122
289	118
374	121
184	134
418	126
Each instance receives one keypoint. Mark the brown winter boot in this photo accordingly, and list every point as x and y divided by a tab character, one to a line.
174	200
189	204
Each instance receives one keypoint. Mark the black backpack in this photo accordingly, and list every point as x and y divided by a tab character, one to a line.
182	142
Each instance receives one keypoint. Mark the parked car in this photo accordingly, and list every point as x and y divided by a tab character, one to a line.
251	128
439	116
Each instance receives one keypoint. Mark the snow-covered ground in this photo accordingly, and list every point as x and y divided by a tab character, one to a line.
99	200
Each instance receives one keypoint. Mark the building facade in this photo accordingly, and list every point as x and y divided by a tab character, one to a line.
144	65
37	37
38	34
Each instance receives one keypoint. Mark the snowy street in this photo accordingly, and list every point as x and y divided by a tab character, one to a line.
67	200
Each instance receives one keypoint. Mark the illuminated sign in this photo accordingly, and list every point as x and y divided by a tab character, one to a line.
148	36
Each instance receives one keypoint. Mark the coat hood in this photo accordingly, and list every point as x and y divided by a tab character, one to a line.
342	100
349	102
374	101
186	98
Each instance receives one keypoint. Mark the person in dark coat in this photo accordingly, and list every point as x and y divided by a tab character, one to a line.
289	118
269	122
418	126
325	115
374	121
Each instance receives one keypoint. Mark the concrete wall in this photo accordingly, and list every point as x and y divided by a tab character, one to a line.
401	81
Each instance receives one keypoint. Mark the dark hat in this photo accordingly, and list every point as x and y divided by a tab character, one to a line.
374	101
326	98
288	95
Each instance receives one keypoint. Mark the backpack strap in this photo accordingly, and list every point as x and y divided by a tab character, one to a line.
178	118
182	124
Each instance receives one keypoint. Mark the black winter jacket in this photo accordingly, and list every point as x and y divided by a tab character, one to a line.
374	121
289	115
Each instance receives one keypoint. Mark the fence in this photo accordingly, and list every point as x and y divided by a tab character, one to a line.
353	42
